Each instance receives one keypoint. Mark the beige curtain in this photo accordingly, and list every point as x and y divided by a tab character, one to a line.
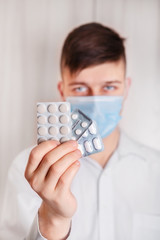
31	37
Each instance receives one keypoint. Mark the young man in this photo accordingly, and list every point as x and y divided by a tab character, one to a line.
110	195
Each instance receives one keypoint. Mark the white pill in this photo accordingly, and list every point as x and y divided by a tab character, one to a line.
73	138
88	146
85	134
53	119
81	148
53	130
63	108
40	140
64	139
93	129
41	120
78	131
52	108
74	116
64	119
64	130
97	143
42	131
84	124
41	108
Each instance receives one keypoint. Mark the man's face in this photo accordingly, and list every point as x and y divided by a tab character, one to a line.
103	79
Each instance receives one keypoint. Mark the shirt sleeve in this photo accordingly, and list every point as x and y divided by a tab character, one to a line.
20	204
34	233
19	215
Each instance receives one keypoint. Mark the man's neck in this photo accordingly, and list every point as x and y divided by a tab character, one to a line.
110	145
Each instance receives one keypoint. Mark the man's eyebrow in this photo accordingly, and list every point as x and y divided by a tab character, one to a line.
112	81
77	83
106	82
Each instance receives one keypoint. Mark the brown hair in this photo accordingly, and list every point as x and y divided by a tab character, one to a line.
91	44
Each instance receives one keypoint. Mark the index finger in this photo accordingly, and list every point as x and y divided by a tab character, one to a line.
37	154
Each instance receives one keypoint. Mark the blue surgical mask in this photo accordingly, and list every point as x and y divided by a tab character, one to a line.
105	110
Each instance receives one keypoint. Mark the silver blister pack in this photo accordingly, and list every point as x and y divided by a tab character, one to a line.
53	121
91	141
56	122
80	123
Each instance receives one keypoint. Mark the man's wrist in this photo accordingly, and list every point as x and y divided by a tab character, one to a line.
68	234
53	227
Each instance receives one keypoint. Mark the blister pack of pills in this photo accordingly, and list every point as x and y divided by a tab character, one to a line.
80	123
91	141
54	121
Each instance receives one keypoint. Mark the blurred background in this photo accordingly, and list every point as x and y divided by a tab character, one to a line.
31	37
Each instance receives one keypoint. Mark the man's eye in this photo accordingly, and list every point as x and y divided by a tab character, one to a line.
109	88
80	89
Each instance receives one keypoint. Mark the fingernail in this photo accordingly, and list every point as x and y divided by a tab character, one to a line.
78	152
77	163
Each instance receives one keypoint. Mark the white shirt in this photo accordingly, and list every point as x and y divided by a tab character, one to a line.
119	202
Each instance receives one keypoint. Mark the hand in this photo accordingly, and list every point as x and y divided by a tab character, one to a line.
50	170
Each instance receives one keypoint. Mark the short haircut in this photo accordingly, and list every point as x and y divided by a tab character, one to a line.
91	44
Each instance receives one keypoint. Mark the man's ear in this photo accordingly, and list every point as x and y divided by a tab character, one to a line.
60	87
127	86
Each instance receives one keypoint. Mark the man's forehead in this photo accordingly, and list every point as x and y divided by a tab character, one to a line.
106	72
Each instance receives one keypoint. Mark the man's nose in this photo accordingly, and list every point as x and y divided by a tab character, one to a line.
94	91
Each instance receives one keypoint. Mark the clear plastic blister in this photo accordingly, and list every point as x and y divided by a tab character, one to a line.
91	141
56	122
80	123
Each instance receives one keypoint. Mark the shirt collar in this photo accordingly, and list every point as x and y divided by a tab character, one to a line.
125	146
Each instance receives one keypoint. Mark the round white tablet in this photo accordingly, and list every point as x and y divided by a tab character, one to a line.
64	130
52	108
64	119
63	108
41	108
53	130
84	124
52	119
78	131
41	120
42	131
74	116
